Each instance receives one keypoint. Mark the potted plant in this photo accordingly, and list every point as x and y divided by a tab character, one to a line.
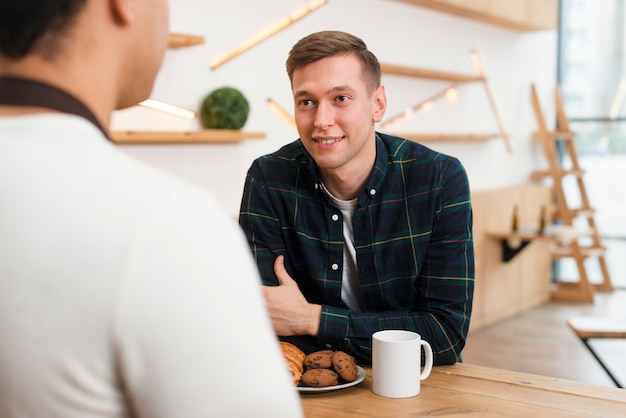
224	108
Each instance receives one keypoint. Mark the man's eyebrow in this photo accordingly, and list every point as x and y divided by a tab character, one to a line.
301	93
344	87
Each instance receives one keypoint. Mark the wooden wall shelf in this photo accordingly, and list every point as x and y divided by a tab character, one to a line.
421	137
179	40
454	79
429	74
190	137
522	15
522	234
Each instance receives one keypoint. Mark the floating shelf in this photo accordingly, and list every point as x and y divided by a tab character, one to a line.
513	242
417	137
454	79
514	15
429	74
189	137
178	40
523	234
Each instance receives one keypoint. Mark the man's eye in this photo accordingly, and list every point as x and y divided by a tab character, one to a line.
305	102
342	98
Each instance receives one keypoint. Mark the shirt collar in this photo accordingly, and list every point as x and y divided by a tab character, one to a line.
19	91
373	184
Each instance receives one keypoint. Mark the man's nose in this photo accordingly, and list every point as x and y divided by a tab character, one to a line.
324	116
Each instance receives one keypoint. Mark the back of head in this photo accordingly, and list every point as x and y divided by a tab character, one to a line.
71	43
326	44
34	26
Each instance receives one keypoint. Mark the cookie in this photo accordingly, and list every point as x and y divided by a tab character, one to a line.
319	360
320	378
345	366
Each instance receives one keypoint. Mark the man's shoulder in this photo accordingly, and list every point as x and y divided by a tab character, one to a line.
286	157
399	148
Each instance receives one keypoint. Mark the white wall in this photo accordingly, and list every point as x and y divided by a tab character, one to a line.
398	34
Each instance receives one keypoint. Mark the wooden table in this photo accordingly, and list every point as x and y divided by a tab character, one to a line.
467	390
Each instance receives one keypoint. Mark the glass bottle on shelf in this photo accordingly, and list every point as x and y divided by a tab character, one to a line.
514	221
542	220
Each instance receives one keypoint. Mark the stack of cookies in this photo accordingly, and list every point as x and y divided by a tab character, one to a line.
328	368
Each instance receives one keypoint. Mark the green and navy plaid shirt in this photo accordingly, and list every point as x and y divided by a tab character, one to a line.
413	240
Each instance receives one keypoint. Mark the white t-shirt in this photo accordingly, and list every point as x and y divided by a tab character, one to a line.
351	294
123	291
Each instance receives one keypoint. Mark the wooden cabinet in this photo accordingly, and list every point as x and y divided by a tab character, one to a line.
525	15
506	287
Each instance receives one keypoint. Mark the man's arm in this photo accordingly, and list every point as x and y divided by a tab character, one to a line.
192	333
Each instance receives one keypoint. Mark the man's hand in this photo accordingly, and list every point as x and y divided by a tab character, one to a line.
288	309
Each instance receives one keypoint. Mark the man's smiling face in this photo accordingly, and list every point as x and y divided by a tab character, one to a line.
336	111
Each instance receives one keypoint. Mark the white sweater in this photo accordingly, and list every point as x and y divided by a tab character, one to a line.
123	291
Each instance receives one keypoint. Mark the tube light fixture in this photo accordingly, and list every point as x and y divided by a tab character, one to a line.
478	65
275	28
423	105
169	108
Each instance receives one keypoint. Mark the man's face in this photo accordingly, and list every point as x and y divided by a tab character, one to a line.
335	113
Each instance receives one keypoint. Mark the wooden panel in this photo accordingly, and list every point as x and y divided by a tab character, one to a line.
510	10
178	40
426	137
543	13
524	15
504	289
189	137
472	391
428	74
597	327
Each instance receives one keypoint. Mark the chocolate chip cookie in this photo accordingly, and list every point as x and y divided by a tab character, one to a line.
319	360
320	378
345	366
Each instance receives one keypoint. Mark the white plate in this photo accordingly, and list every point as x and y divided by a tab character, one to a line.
360	375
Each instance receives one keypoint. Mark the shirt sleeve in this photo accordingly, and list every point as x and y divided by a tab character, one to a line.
191	332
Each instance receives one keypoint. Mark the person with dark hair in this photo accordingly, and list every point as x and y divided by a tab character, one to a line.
355	231
113	301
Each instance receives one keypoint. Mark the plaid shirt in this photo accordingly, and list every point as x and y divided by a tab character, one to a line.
413	240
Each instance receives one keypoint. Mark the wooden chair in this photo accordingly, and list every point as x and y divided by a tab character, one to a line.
593	327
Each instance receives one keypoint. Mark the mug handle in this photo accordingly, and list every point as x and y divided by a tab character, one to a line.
428	364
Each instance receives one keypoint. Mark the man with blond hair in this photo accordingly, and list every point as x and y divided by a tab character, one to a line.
355	231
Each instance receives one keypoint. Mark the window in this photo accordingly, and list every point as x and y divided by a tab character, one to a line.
592	75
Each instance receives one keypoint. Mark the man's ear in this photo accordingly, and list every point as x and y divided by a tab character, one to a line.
380	104
123	11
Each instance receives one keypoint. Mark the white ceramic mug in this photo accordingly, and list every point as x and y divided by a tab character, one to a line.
396	363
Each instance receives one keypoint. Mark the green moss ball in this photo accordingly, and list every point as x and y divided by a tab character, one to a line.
224	108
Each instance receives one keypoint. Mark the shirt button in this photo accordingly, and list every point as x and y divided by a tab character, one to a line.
372	192
335	217
329	346
335	267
